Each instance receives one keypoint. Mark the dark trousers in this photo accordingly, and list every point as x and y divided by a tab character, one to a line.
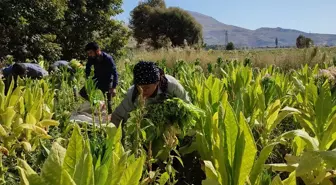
106	92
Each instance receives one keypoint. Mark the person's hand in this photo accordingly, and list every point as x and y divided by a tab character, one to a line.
113	92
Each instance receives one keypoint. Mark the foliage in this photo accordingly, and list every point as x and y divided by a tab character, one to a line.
154	24
246	125
58	29
77	165
26	114
230	46
304	42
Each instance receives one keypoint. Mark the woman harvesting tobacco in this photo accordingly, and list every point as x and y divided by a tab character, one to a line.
155	86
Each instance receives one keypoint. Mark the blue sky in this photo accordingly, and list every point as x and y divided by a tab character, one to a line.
315	16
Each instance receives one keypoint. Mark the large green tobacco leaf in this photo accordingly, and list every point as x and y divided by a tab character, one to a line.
258	165
248	153
329	135
116	170
84	174
73	152
312	143
117	162
220	148
66	178
272	114
101	175
323	108
230	130
52	168
133	172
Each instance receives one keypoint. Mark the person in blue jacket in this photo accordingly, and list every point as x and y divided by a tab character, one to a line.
29	70
105	72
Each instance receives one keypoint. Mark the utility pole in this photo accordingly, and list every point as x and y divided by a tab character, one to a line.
226	38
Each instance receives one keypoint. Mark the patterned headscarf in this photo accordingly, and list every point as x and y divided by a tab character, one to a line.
146	73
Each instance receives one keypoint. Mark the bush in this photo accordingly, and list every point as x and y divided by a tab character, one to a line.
230	46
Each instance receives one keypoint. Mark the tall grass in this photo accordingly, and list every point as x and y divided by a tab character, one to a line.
286	58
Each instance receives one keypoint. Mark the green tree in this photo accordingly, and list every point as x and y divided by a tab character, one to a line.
276	42
155	3
230	46
304	42
59	28
27	28
88	20
155	25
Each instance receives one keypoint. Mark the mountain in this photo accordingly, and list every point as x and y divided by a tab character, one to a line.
214	34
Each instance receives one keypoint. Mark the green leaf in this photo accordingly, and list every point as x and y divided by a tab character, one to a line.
312	143
210	171
30	119
133	172
287	111
231	131
52	168
8	116
117	169
73	152
46	123
323	108
164	178
101	175
282	167
3	132
249	152
272	114
66	178
258	165
14	97
291	180
276	181
210	182
84	174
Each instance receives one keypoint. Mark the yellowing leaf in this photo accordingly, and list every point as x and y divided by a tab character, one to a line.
3	132
14	97
30	119
8	116
46	123
27	146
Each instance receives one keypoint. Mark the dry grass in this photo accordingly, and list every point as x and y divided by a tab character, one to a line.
287	58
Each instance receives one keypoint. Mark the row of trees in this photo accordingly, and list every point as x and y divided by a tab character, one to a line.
156	25
59	28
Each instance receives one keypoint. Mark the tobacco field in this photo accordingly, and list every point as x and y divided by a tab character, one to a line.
245	126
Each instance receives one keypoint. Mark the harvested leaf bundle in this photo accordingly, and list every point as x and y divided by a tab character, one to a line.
171	112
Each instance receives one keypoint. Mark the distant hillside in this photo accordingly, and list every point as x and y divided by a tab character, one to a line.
214	34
